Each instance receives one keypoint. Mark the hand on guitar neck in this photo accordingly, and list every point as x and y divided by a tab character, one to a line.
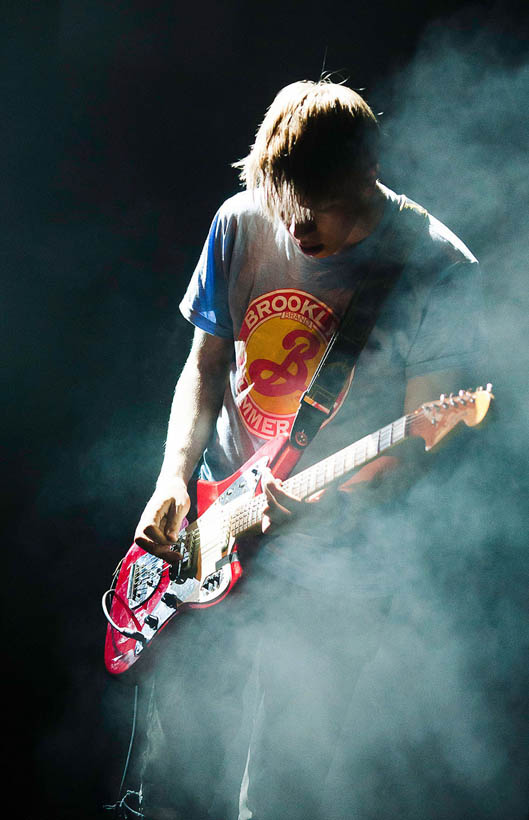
282	505
376	481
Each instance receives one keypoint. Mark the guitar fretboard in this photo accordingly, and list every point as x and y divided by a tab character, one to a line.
320	475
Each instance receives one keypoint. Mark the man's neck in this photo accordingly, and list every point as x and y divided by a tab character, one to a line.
369	217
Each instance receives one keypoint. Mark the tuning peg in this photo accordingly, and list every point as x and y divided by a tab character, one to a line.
489	388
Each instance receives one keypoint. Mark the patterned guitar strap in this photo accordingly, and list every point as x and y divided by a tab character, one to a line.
335	368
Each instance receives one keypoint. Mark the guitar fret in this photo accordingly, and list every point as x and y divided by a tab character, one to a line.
399	429
385	438
362	453
365	450
295	485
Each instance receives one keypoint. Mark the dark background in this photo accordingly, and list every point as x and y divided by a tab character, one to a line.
119	123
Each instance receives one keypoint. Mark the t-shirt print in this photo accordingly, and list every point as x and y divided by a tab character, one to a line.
282	339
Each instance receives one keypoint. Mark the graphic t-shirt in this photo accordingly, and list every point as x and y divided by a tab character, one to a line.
254	285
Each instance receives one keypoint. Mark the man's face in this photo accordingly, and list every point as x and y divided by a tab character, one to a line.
330	228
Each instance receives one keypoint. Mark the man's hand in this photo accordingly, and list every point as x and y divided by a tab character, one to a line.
282	506
162	518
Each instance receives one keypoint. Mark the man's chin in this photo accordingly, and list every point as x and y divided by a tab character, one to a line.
314	250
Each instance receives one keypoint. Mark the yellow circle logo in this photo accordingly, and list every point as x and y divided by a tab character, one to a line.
282	340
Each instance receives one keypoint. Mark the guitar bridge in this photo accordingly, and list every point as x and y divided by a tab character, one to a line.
144	577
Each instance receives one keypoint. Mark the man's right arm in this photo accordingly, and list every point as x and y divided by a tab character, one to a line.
196	403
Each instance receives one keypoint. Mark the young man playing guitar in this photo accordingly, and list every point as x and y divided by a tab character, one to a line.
279	267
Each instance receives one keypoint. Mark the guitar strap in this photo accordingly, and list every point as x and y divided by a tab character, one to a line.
335	368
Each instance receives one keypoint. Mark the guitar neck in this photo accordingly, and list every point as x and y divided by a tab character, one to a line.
340	464
326	472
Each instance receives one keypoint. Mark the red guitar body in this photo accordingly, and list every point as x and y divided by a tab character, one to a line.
148	594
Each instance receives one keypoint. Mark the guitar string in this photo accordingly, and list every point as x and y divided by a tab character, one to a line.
422	412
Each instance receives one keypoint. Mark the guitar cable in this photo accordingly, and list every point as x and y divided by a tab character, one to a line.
128	633
121	808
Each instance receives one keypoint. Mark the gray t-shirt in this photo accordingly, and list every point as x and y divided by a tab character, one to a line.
252	284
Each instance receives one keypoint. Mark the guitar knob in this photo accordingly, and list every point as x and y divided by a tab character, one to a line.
152	621
169	599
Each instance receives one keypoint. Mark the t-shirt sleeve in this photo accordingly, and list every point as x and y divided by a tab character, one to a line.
450	335
205	303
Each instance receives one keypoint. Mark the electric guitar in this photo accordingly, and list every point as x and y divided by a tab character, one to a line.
147	592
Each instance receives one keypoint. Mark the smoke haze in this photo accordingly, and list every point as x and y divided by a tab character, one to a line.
437	721
437	725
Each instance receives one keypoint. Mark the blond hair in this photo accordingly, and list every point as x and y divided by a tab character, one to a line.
316	141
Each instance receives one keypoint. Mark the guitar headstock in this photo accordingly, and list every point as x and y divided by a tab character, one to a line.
433	420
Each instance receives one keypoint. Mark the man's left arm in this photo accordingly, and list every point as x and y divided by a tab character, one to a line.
385	475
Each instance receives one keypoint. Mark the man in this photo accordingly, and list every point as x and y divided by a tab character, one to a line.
277	272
